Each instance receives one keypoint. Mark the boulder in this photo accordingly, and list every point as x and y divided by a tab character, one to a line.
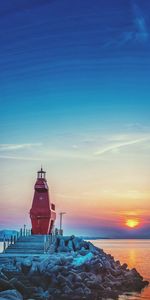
70	246
34	268
11	295
83	272
3	276
87	291
5	285
67	290
77	243
81	260
26	265
79	291
62	249
124	266
19	286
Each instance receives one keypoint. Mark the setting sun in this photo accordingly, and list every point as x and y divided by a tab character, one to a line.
132	223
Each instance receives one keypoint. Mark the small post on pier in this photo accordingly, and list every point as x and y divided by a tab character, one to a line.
44	244
24	230
21	232
17	235
61	216
4	244
14	239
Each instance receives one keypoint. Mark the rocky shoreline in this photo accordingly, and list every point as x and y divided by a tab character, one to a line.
73	269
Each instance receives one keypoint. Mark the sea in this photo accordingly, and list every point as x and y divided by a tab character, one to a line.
136	253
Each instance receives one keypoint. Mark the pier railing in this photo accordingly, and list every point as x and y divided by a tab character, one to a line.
13	238
48	241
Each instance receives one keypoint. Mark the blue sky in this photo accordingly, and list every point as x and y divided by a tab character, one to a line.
74	93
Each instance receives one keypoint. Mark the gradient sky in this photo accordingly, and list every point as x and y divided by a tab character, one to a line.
75	97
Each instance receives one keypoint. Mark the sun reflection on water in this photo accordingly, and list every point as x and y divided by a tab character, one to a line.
132	258
136	254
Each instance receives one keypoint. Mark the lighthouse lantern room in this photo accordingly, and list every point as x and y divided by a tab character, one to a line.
42	212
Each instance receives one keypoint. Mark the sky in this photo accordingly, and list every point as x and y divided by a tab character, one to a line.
75	98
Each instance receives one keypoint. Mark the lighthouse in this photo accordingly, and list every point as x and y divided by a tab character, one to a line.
42	212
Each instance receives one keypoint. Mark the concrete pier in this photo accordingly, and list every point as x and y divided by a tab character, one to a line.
30	245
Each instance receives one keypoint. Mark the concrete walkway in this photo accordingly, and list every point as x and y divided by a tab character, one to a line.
28	245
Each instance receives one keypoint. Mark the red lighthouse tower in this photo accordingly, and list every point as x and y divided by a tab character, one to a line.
42	212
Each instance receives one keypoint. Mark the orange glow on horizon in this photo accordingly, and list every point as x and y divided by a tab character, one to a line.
132	223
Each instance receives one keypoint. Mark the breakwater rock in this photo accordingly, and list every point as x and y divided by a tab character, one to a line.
73	270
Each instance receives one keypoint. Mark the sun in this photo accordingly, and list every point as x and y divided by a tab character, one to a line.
132	223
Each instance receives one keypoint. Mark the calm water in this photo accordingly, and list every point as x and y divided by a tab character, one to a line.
136	253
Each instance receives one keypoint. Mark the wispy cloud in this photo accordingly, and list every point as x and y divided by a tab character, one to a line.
10	147
135	212
100	145
21	158
66	154
45	154
117	146
137	32
141	33
138	127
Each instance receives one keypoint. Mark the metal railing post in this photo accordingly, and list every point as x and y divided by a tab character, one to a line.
4	244
44	244
14	239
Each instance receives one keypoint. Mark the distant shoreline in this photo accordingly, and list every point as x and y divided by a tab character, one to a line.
98	238
116	238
